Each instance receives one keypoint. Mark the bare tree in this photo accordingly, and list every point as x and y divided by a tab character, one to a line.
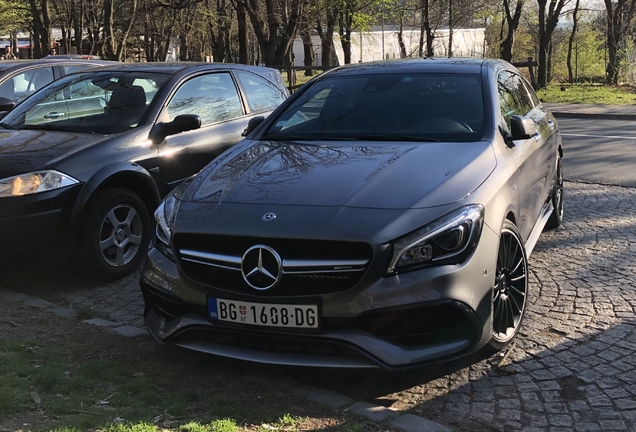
511	21
548	21
575	21
620	15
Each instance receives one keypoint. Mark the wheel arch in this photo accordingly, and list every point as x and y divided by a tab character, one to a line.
124	175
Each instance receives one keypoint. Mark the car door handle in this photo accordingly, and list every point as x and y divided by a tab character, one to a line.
551	124
54	115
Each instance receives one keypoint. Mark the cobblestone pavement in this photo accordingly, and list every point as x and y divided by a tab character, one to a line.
573	367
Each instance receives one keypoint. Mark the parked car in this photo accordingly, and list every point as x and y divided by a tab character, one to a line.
85	160
20	78
382	216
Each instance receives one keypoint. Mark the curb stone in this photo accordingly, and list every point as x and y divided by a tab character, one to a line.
405	422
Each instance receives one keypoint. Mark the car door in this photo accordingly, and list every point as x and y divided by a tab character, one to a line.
215	98
530	155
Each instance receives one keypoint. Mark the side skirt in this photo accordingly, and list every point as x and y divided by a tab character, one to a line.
546	211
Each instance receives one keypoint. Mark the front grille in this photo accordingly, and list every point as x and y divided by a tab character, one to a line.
309	267
168	305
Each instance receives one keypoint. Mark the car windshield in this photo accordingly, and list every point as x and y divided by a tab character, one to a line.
386	107
104	102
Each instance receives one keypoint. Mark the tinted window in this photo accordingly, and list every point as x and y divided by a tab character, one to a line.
261	95
21	85
106	102
514	94
213	97
389	107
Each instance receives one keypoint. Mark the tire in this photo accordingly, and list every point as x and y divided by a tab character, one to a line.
557	198
510	288
114	234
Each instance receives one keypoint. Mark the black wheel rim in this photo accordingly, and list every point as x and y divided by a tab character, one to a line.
510	288
558	202
120	235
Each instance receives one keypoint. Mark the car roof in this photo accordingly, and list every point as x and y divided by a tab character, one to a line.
6	65
176	67
433	64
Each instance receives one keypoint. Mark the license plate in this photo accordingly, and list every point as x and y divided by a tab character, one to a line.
263	314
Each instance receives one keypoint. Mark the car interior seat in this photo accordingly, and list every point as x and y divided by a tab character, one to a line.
126	105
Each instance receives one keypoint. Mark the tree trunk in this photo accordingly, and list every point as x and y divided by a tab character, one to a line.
308	49
242	33
575	20
506	46
401	36
326	36
450	28
547	24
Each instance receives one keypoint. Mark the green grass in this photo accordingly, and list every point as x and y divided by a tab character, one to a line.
588	94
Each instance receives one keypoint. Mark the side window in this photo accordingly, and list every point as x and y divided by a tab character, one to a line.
261	95
514	98
23	84
533	95
213	97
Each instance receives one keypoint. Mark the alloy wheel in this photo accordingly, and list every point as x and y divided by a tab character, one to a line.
120	235
510	288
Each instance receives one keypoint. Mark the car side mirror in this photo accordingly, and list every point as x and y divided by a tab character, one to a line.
6	104
252	124
181	123
521	128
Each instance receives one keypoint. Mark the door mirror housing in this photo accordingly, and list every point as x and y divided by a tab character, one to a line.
252	124
521	128
6	104
181	123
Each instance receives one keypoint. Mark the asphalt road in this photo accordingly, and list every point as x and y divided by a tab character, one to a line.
599	151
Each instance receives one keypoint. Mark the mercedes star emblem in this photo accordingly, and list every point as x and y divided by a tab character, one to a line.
269	217
261	267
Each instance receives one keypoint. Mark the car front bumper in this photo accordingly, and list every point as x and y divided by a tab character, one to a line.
429	315
37	221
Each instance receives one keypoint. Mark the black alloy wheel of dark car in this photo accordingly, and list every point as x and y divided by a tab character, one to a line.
510	290
115	234
557	198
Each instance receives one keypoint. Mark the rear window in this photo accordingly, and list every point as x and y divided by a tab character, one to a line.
392	107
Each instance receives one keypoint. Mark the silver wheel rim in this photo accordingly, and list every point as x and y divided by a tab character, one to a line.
120	235
510	288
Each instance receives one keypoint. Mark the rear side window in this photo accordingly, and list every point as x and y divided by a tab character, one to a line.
213	97
21	85
261	95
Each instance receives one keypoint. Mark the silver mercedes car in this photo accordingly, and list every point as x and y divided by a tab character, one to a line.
381	217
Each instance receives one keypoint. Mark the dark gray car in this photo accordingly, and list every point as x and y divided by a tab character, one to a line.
383	215
85	161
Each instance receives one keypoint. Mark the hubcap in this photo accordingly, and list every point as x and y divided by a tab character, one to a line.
510	289
120	235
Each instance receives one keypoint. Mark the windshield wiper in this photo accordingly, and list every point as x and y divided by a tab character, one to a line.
6	126
395	137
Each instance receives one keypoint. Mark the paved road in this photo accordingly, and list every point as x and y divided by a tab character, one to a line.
600	151
573	366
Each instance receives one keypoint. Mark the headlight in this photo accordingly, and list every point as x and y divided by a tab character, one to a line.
165	216
40	181
448	240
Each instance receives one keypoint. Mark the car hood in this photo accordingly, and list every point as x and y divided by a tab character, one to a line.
353	174
23	151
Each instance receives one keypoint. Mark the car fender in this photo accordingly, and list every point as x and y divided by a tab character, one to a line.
108	174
